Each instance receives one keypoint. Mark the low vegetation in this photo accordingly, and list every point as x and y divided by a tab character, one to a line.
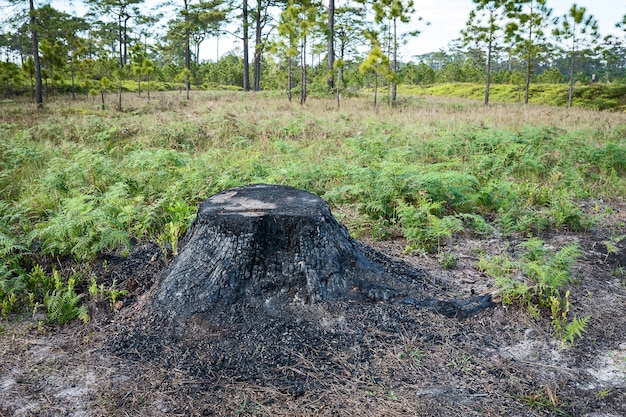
594	96
536	280
77	181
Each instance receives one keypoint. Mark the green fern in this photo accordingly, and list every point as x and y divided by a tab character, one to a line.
535	280
38	282
9	290
423	229
7	304
13	251
476	223
575	329
9	246
564	331
82	227
564	258
11	254
62	303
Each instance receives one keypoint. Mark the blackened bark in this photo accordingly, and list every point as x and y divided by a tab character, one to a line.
263	245
260	241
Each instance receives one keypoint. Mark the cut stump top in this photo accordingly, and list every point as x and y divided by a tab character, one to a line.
261	199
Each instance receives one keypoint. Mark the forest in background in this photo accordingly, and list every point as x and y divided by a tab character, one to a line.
305	47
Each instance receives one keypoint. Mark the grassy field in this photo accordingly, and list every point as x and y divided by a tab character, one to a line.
518	196
594	96
77	181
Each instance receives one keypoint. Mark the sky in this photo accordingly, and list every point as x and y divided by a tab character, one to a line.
447	18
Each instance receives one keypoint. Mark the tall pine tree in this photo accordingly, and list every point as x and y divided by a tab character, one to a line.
484	28
526	32
578	32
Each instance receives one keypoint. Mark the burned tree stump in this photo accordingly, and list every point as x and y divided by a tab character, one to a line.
264	244
259	242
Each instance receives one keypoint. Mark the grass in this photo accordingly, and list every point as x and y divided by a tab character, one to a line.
595	96
77	180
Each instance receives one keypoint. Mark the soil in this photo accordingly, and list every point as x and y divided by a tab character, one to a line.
335	357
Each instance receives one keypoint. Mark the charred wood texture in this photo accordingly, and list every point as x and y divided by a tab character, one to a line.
267	244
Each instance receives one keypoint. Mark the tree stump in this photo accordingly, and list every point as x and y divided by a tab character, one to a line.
268	244
259	242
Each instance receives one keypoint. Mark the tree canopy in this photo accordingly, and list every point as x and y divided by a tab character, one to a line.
343	46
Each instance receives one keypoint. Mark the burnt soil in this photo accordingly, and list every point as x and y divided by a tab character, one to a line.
333	358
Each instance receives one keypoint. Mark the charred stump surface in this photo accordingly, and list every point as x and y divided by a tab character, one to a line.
268	245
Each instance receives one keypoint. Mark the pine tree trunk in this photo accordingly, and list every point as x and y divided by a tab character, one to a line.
376	90
38	81
126	18
570	95
246	63
258	47
187	50
488	83
342	56
121	41
337	93
528	62
119	100
303	73
394	87
73	82
289	78
331	43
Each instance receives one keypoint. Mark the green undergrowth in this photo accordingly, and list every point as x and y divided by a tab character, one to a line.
596	96
91	88
76	185
536	280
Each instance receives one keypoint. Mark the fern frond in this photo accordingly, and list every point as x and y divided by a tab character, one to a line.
575	329
564	258
83	314
9	246
62	305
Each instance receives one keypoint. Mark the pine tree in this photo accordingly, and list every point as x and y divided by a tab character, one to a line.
484	27
526	32
578	31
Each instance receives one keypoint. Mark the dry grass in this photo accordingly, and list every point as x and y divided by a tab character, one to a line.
422	115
